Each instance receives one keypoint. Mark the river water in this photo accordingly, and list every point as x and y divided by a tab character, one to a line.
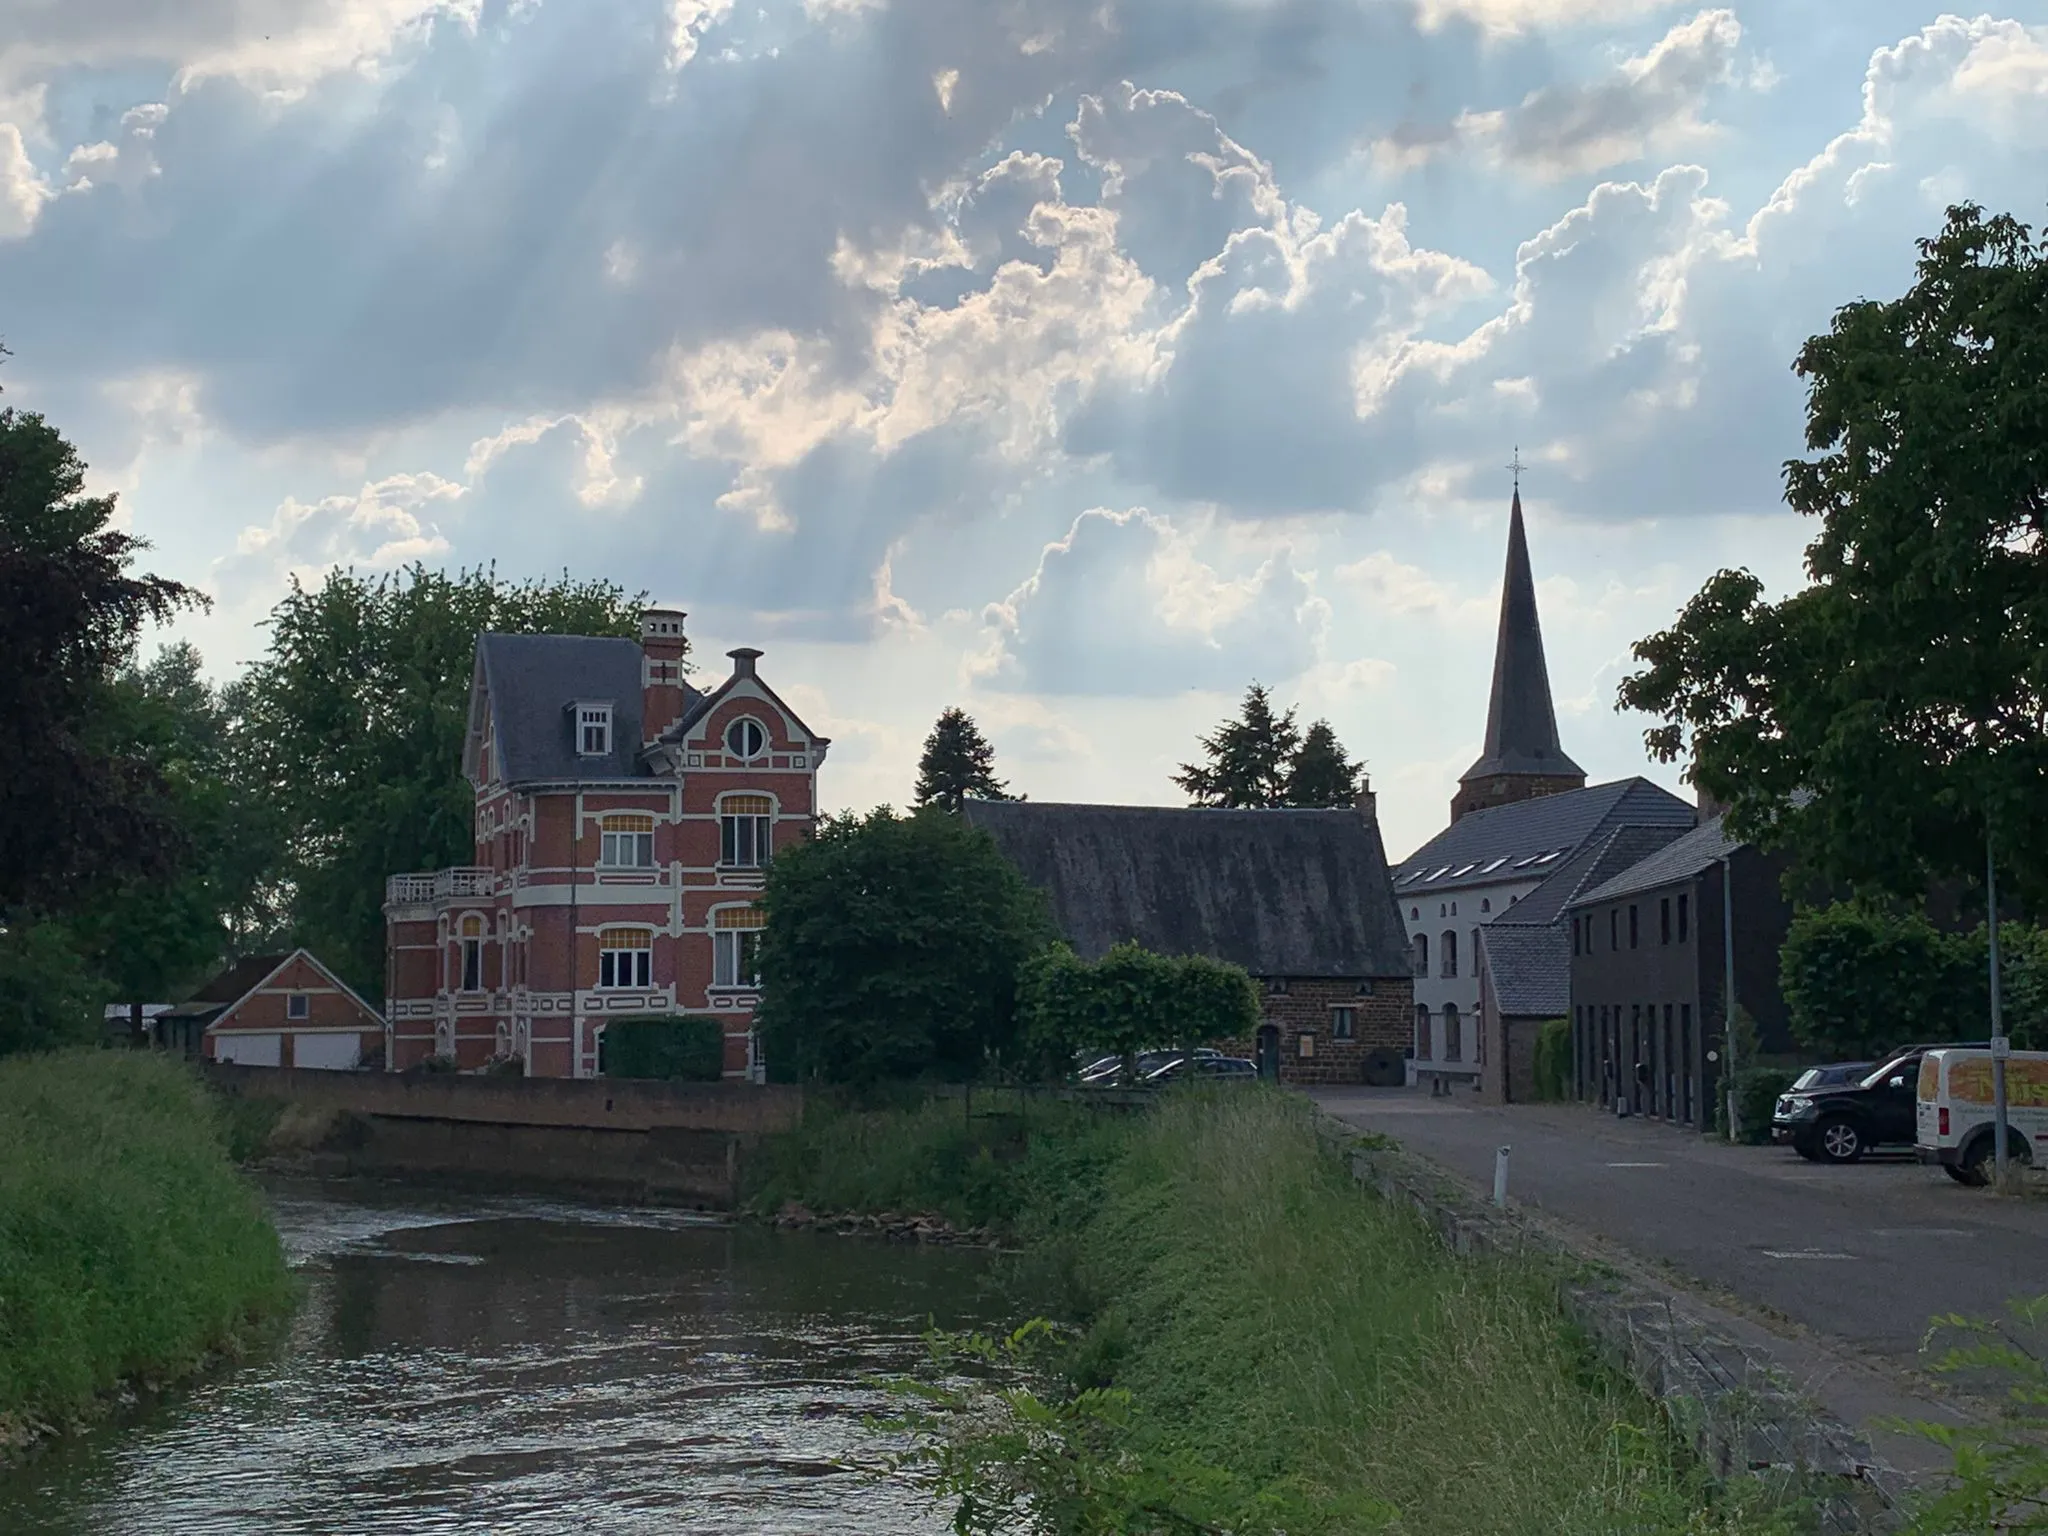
523	1366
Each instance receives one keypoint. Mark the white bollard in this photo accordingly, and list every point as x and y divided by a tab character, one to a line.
1500	1178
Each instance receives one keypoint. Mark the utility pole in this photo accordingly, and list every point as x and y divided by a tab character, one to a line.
1728	990
1999	1044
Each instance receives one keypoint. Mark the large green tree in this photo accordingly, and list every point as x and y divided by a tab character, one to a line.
76	807
351	727
1322	773
892	950
1874	722
1260	759
958	764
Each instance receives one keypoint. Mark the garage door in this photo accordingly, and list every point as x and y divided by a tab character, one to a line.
249	1050
337	1053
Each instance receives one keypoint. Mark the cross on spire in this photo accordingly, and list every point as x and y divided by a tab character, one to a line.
1515	464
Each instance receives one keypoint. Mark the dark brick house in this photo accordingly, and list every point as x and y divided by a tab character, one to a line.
1302	899
1648	956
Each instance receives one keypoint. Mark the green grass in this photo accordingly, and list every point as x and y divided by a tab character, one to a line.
130	1249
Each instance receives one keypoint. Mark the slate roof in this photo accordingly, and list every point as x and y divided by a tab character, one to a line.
229	986
1521	724
1279	892
1529	969
533	681
1485	847
1603	856
1690	855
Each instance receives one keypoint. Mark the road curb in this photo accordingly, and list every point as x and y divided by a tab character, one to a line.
1727	1401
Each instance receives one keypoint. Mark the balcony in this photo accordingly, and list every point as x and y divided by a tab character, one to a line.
434	887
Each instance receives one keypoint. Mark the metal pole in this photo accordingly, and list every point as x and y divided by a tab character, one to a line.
1500	1178
1998	1041
1728	993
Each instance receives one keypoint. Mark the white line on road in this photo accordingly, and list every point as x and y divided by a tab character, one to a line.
1802	1253
1637	1165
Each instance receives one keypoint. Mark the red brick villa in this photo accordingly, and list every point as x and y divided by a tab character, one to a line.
624	823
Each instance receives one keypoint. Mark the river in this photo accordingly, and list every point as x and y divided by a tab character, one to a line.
464	1365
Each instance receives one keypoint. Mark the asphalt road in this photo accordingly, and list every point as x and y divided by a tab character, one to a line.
1864	1254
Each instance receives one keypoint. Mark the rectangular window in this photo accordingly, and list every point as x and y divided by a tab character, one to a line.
745	825
593	730
1614	928
472	965
1343	1023
625	958
1664	917
1683	903
628	842
736	946
298	1006
1575	936
1632	925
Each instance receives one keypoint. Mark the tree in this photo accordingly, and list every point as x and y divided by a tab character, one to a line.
1322	773
1859	979
74	808
1249	758
1876	721
1129	1001
958	764
350	727
892	950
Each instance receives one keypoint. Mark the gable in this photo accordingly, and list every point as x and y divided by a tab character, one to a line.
333	1003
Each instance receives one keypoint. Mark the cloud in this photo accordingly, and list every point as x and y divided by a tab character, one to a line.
22	191
382	526
1124	606
1650	101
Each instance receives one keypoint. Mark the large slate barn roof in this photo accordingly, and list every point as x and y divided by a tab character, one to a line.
1280	892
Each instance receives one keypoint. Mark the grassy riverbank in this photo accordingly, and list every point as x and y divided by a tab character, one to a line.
130	1249
1278	1349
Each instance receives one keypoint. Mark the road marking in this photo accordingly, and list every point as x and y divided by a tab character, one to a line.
1802	1253
1637	1165
1922	1232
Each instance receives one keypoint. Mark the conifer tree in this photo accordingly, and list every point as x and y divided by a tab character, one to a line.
1250	758
1322	773
958	764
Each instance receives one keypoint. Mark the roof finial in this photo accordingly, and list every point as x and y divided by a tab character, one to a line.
1515	464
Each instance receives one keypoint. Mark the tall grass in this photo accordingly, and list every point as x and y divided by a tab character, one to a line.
129	1246
1272	1318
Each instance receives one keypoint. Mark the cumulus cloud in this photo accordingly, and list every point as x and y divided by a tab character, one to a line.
22	190
1652	100
1124	605
385	524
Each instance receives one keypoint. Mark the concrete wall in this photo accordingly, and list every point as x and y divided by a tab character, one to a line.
608	1104
661	1166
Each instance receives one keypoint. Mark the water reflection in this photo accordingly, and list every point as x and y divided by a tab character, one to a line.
522	1366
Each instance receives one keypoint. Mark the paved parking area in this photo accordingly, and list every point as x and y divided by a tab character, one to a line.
1857	1257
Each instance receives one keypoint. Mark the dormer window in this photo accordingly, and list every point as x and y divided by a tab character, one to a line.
593	730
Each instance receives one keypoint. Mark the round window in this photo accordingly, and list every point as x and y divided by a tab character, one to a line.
745	739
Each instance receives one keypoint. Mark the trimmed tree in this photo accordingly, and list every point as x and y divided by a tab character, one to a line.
958	764
892	949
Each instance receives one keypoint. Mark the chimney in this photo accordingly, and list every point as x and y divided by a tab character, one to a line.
661	669
1367	803
1709	807
743	661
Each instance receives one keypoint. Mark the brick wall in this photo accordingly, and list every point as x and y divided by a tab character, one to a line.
1307	1008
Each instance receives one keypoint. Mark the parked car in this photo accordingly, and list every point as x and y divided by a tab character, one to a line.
1110	1070
1954	1111
1838	1122
1833	1075
1205	1069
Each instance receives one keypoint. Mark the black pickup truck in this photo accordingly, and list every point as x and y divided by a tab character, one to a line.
1839	1122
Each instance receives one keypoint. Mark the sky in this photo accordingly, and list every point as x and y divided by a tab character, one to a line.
1075	362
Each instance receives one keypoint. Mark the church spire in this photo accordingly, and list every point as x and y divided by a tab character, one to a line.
1522	757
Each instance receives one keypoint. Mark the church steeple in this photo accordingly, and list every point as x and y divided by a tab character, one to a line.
1522	757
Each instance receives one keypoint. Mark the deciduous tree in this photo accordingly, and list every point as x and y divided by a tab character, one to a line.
958	764
1875	721
892	950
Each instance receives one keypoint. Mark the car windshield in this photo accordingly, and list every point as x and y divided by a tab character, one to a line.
1891	1068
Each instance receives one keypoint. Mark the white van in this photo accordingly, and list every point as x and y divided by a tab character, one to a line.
1952	1115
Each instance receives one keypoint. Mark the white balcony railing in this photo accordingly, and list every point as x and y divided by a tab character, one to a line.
432	886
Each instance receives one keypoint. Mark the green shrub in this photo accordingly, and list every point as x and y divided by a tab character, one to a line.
1861	979
689	1049
1128	1001
1554	1059
49	997
1756	1094
129	1246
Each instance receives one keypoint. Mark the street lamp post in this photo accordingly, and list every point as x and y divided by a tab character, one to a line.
1728	990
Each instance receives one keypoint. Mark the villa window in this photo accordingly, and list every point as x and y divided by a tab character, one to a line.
745	740
472	953
745	823
625	958
628	842
594	730
1448	952
736	946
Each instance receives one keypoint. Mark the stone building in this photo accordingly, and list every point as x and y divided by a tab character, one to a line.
1300	898
624	824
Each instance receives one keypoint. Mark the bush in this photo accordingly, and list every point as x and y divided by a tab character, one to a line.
688	1049
1756	1094
1554	1059
129	1247
1859	979
1129	1000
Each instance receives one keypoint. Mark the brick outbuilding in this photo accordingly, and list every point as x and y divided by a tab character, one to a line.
285	1010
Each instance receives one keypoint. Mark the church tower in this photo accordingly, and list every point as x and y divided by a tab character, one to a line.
1522	758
